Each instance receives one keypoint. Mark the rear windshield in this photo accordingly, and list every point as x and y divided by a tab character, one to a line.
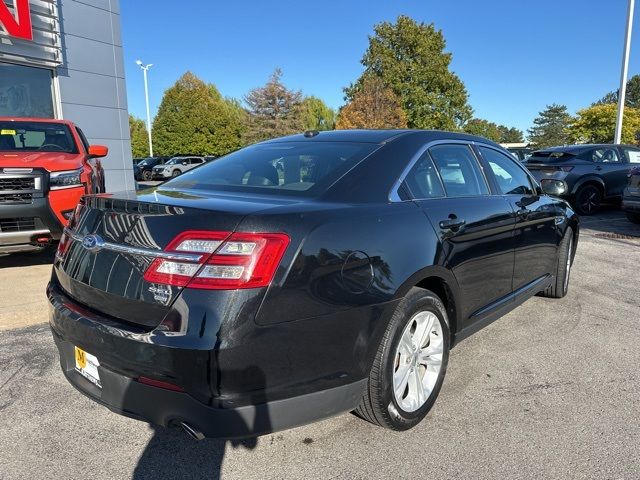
36	137
295	168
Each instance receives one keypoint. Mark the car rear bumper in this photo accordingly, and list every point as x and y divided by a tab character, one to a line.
21	225
126	396
126	355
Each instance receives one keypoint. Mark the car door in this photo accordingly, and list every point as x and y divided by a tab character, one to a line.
536	234
475	228
610	165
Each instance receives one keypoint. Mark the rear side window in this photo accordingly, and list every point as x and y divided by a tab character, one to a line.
633	154
288	168
423	181
459	170
604	155
511	179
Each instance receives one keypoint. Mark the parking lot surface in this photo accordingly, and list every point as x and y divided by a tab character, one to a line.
549	391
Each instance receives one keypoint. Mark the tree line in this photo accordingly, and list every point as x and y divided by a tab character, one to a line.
406	82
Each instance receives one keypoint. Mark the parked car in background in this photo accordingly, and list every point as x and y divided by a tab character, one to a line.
176	166
302	277
631	195
586	175
210	158
520	150
45	167
137	160
143	171
521	153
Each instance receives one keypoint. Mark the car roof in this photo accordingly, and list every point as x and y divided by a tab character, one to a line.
34	119
378	136
580	148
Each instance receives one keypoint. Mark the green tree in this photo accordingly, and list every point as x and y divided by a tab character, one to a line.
632	97
483	128
551	127
374	105
409	57
316	115
194	118
597	124
273	110
510	134
139	137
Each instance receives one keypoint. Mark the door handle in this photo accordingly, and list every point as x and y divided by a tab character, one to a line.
452	223
598	168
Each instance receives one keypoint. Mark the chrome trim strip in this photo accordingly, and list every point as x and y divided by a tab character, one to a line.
145	252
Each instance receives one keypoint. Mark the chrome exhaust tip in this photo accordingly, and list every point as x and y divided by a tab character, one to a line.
192	432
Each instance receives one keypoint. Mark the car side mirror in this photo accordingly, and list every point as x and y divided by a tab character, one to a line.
555	188
98	151
184	163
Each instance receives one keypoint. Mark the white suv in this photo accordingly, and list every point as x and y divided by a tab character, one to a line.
176	166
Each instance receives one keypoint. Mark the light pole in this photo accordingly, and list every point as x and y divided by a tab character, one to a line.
623	76
145	69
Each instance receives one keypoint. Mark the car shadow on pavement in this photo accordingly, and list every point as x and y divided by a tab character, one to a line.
26	259
172	453
609	222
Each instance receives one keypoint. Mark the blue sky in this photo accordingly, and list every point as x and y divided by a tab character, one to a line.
514	56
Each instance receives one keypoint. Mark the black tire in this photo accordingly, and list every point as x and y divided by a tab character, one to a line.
633	217
378	404
560	285
175	173
147	175
588	199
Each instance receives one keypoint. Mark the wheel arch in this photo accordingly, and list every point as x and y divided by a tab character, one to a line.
440	281
589	180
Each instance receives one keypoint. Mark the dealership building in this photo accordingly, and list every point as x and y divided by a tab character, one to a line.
63	59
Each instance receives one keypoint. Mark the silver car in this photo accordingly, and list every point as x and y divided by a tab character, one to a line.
176	166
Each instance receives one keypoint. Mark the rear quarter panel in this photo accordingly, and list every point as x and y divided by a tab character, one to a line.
344	257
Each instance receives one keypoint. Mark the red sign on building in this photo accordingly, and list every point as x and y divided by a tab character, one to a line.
18	26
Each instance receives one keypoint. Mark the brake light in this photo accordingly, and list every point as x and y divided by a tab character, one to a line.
227	261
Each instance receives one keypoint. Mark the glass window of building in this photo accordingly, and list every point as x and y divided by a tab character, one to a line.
25	91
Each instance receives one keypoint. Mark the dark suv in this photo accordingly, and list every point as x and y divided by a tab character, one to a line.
143	170
302	277
585	174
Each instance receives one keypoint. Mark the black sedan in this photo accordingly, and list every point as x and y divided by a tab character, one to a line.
300	278
586	175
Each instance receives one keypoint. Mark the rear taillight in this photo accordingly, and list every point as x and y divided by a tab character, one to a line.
227	261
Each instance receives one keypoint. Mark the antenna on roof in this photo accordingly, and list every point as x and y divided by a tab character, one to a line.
311	133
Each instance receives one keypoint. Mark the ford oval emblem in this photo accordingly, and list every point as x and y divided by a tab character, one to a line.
93	242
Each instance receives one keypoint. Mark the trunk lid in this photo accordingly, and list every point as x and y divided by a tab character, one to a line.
131	230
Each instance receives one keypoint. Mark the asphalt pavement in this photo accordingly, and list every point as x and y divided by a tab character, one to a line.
549	391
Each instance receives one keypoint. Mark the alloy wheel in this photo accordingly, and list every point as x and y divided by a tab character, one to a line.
589	201
418	361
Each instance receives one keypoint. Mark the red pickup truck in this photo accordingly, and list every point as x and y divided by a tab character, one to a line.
45	167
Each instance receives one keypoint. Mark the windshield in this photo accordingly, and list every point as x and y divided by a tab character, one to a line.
291	168
36	137
146	162
174	161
